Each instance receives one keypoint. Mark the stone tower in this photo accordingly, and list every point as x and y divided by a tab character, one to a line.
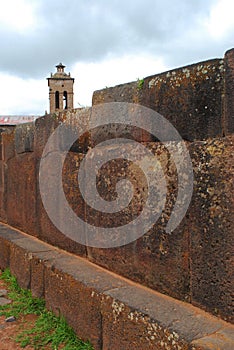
60	90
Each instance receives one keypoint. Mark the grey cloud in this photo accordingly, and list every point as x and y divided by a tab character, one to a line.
88	30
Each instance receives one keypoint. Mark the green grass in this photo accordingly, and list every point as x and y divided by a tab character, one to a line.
140	83
23	302
49	329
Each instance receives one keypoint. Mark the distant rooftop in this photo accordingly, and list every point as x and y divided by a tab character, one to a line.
16	119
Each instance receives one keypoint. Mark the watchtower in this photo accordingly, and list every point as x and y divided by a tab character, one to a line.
60	90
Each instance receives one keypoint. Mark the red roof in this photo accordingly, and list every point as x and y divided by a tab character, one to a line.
16	119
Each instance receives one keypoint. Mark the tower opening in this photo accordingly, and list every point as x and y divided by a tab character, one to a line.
65	100
57	99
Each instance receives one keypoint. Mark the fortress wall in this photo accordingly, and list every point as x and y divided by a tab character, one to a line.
194	263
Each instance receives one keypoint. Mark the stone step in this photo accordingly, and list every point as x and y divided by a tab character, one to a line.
113	312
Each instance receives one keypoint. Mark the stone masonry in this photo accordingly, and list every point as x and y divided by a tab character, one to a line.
193	265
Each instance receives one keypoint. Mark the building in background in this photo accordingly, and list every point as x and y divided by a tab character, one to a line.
60	90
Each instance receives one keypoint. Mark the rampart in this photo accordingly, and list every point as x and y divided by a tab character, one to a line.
194	263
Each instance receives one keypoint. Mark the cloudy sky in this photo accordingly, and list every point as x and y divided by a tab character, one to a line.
102	43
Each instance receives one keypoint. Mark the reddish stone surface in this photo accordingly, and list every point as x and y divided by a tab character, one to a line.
7	151
132	319
117	129
71	184
7	144
157	259
3	196
21	193
211	222
4	253
189	97
125	328
112	312
19	262
78	120
228	117
73	300
21	256
215	341
39	261
44	126
73	120
47	231
194	262
75	289
7	235
24	138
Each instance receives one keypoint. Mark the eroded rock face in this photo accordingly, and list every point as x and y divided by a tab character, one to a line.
194	262
211	224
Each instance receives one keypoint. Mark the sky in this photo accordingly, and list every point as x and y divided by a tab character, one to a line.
102	43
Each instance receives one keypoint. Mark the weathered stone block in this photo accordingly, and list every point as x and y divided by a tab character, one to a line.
21	193
7	235
146	320
112	312
20	261
25	253
59	236
3	195
4	253
156	259
222	340
228	112
194	262
119	114
38	262
77	121
44	127
210	225
8	144
73	122
78	307
189	97
7	152
24	138
74	287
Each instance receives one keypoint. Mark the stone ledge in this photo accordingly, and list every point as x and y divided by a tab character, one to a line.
111	311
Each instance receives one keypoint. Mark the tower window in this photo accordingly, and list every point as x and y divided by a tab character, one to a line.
57	100
65	100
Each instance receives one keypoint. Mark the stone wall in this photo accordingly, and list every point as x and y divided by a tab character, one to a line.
196	99
194	263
